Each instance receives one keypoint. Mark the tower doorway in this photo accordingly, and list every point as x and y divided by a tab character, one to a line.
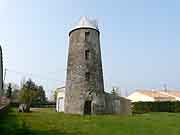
87	107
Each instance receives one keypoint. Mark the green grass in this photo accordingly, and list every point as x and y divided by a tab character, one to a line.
48	122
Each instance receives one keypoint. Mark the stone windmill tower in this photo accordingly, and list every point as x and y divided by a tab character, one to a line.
84	83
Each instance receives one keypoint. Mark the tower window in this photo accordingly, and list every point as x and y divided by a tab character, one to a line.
87	76
87	54
87	33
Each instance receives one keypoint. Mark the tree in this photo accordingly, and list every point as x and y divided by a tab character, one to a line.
26	94
15	92
31	93
9	91
115	91
15	95
55	95
40	96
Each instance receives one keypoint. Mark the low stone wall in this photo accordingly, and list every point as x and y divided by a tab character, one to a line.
117	105
4	105
125	106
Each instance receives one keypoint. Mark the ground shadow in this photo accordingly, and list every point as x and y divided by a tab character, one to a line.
11	124
48	132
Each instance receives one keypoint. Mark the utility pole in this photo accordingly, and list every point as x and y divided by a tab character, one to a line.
165	87
5	70
126	92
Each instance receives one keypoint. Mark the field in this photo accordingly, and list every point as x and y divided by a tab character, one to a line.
48	122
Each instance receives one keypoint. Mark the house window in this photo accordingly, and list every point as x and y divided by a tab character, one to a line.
87	33
87	54
87	76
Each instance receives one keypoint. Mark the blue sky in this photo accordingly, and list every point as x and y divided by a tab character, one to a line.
140	40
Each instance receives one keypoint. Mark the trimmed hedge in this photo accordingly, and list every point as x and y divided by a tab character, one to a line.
165	106
38	105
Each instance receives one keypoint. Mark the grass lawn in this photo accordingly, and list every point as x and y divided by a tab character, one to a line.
48	122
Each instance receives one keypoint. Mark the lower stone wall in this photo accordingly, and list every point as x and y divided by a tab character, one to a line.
117	105
125	107
109	103
4	105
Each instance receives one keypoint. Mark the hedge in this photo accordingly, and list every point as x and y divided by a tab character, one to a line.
165	106
38	105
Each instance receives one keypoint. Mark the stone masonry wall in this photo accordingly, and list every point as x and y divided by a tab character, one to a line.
78	88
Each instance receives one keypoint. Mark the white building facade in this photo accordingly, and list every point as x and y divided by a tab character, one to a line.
154	95
138	96
60	99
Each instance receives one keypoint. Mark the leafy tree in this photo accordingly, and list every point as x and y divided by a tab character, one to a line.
55	95
115	91
9	91
27	93
31	93
15	92
15	95
40	96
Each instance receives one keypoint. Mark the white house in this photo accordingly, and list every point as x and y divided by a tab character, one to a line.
154	95
60	99
175	94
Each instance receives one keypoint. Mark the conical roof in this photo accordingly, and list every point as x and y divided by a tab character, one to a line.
85	22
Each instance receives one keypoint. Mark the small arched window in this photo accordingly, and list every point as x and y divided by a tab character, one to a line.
87	53
87	76
87	33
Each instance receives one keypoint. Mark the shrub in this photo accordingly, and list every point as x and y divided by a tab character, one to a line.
158	106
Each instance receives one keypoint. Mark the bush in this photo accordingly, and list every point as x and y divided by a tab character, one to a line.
165	106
